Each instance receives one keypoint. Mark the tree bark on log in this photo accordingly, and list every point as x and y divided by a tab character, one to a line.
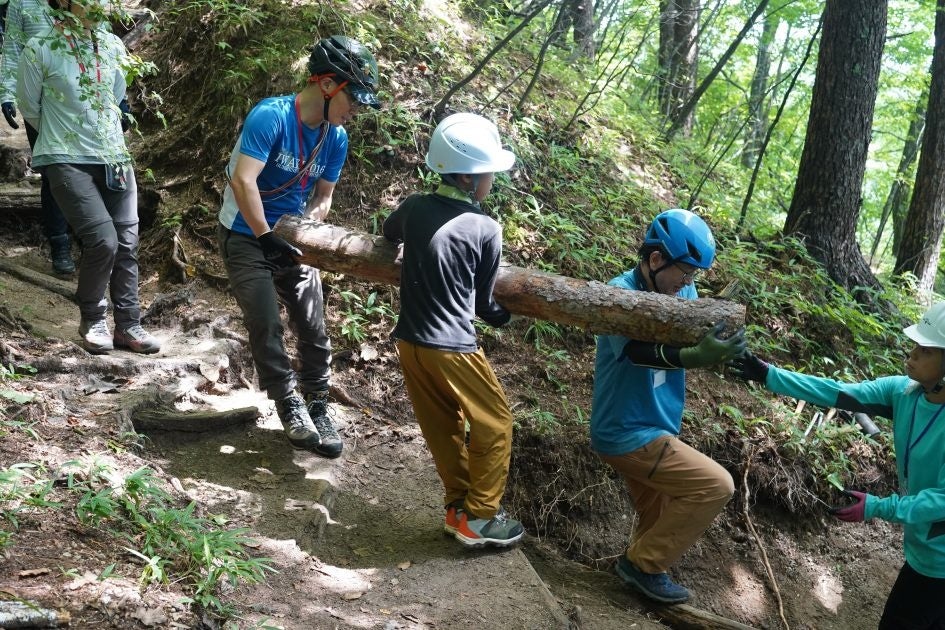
191	421
589	304
19	198
686	617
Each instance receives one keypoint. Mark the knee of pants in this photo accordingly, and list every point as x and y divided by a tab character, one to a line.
725	487
100	241
263	324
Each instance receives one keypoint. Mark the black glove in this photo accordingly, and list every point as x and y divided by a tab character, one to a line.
712	350
278	251
748	367
125	117
9	112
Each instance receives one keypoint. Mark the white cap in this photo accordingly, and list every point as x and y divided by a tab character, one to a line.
930	330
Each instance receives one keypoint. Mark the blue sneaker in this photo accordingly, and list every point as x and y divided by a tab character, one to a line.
656	586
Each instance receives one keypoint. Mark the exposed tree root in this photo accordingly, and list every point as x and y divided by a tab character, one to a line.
55	285
751	526
686	617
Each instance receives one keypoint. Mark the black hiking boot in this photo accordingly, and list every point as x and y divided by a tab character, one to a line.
331	445
60	250
297	423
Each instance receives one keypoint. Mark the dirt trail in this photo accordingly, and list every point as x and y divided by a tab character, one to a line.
357	541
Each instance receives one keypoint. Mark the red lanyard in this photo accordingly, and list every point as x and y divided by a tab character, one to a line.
298	128
98	70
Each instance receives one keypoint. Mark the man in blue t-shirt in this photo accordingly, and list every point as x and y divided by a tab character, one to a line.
286	161
639	394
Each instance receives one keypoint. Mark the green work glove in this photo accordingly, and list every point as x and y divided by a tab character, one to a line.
713	350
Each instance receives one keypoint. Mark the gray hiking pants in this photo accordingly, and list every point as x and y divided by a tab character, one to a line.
258	287
106	222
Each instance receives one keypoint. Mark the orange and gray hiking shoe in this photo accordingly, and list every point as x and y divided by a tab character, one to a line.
452	517
499	531
136	339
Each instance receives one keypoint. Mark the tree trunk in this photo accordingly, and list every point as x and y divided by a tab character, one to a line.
826	203
758	122
594	306
921	241
746	202
682	117
678	58
582	13
897	202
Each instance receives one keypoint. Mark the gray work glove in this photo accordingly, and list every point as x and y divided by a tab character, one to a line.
9	112
713	350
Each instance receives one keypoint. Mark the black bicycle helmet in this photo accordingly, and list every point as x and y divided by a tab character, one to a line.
348	60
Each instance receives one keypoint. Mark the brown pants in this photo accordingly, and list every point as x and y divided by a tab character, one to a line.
677	492
449	389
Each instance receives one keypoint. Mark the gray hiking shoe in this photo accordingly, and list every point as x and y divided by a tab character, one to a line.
331	445
95	336
136	339
656	586
297	423
499	531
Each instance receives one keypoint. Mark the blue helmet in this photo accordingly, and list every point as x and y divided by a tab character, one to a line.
684	237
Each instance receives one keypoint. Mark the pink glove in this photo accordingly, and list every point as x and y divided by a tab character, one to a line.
853	513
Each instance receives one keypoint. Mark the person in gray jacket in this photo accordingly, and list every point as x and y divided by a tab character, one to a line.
25	20
69	85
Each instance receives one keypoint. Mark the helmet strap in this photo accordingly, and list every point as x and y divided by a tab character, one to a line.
666	265
327	96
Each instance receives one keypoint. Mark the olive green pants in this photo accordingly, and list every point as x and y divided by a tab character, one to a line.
449	389
677	492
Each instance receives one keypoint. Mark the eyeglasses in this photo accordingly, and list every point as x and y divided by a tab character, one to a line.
355	103
688	274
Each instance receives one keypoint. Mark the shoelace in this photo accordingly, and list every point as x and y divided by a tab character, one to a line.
324	426
294	406
99	328
136	331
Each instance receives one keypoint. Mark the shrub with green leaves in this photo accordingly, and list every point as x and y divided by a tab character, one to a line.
173	543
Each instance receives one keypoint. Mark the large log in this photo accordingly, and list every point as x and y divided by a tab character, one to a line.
19	197
589	304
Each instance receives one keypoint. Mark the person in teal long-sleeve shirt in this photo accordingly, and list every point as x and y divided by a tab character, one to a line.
915	403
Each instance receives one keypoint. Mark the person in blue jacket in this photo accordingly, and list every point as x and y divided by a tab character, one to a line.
639	395
915	403
287	160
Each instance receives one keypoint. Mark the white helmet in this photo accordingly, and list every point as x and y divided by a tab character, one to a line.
467	144
930	331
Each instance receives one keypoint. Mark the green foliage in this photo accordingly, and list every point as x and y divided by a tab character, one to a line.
20	490
10	373
361	313
798	314
173	543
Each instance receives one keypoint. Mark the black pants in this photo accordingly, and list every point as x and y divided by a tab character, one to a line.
916	602
54	222
258	287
